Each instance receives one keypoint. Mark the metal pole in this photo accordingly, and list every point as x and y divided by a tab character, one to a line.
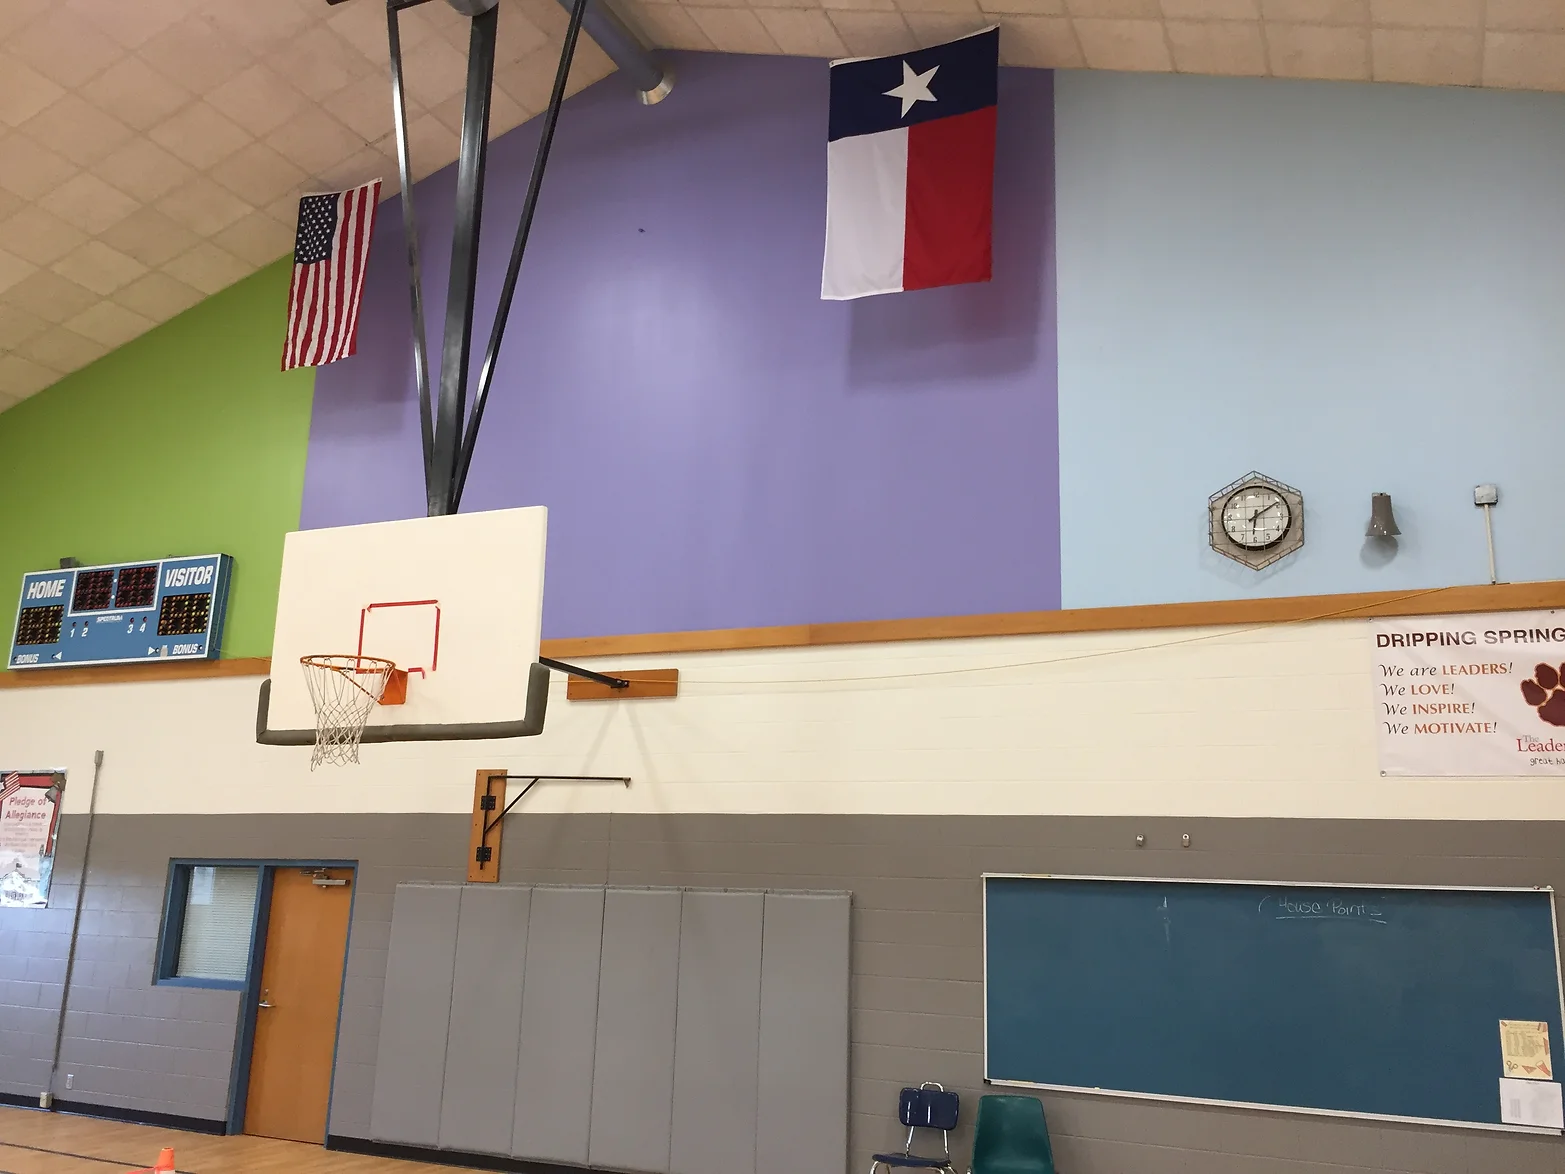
560	666
47	1099
508	290
399	107
1488	529
457	341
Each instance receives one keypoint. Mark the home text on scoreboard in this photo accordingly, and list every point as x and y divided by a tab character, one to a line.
127	613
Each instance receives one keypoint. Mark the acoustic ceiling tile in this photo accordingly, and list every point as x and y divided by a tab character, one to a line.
803	31
364	27
21	377
1449	14
259	100
1114	9
207	268
99	268
670	25
1043	42
516	37
24	92
203	206
158	296
135	93
1123	44
1318	51
150	237
39	236
61	349
144	170
13	269
130	24
90	204
17	325
1346	12
316	143
1211	9
78	130
199	135
16	15
1427	57
968	8
1524	61
319	63
874	5
1219	47
365	108
1006	8
50	296
109	324
263	28
1540	15
935	28
66	47
871	33
258	239
193	54
258	174
733	30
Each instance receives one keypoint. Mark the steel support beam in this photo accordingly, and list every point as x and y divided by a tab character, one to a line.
451	409
653	80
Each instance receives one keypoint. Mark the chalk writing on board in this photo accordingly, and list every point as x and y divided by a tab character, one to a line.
1303	908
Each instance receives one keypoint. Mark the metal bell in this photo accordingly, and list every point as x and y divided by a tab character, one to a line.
1382	523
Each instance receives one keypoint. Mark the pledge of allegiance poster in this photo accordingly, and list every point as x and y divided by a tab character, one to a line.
29	811
1478	696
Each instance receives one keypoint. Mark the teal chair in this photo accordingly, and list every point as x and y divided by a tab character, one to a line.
1012	1137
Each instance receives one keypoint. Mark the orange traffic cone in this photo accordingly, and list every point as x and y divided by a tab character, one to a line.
165	1162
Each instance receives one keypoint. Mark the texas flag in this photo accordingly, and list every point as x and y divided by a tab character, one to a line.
910	169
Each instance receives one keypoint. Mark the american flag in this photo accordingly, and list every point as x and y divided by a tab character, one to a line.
329	255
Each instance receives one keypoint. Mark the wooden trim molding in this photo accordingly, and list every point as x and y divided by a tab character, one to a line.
119	674
1288	609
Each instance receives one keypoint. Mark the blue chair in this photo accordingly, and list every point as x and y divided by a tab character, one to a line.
1012	1137
928	1106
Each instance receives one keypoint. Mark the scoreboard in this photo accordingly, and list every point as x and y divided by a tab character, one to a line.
127	613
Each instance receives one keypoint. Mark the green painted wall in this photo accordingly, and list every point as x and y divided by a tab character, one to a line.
186	441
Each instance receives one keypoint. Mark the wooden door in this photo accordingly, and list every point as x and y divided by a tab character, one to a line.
301	990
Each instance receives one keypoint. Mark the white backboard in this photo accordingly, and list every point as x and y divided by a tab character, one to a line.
460	597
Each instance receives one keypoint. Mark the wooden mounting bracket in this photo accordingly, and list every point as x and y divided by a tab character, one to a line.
643	683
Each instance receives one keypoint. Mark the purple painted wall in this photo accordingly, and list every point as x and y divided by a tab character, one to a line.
716	445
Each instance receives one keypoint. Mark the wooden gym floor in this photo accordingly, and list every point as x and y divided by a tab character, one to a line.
32	1142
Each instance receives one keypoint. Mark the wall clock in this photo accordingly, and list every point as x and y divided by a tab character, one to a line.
1256	520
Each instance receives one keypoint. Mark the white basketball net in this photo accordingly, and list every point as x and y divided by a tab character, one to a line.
345	690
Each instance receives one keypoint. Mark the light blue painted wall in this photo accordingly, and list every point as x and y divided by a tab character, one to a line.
1351	288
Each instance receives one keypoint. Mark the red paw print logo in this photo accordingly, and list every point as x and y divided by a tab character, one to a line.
1545	691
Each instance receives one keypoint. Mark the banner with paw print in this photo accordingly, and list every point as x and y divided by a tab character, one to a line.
1474	696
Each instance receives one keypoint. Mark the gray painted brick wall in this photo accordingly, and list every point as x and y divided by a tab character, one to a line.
916	964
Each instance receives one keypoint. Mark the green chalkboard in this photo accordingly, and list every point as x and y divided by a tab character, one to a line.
1355	1000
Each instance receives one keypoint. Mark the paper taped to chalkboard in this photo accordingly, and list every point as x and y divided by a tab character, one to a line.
1531	1102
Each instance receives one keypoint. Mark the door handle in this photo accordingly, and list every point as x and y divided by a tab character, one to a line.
263	1003
265	1000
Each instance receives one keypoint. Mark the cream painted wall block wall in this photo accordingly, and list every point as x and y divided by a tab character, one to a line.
1272	721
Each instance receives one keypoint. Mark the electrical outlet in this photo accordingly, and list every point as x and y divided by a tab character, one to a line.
70	1080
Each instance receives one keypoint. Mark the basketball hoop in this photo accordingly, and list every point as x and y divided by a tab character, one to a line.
344	690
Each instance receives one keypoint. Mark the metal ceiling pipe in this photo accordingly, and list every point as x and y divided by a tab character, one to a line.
653	80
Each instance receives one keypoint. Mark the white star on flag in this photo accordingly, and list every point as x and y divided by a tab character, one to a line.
914	87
